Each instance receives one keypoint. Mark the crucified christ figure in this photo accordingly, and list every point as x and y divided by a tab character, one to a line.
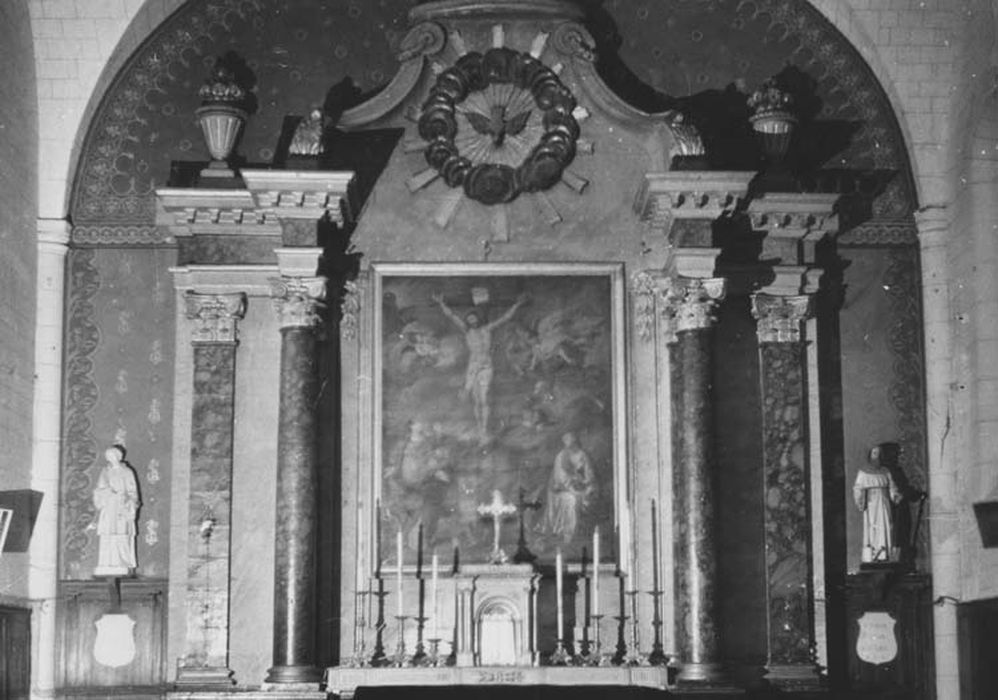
478	337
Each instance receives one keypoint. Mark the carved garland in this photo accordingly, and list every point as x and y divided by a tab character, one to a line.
494	183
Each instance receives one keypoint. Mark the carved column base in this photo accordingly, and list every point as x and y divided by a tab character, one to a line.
794	677
711	677
204	676
290	677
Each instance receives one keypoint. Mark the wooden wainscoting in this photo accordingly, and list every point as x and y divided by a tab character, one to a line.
15	652
81	605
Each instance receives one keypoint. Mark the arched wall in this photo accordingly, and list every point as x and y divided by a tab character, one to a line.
800	23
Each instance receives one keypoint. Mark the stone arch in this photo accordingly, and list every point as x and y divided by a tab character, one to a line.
842	16
142	122
143	24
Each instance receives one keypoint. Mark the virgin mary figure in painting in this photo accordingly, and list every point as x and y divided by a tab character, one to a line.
569	490
874	492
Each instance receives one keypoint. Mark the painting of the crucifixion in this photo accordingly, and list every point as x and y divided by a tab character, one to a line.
496	383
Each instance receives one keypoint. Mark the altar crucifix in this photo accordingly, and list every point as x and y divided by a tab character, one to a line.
496	510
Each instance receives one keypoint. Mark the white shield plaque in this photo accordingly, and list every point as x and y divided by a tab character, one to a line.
115	643
877	643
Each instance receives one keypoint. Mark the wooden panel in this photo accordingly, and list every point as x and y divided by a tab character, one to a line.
82	604
908	600
978	640
15	650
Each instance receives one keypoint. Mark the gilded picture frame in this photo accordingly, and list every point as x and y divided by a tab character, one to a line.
505	377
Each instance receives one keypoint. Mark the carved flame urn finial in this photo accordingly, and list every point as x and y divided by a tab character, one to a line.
221	117
773	120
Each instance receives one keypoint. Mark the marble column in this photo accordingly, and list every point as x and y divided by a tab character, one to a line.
691	302
298	301
787	505
214	338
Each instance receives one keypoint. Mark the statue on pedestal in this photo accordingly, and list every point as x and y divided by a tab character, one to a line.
117	501
874	492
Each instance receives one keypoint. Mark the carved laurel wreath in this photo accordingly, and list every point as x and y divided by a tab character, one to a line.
496	183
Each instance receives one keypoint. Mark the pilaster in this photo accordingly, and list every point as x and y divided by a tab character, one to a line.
946	547
793	224
53	240
787	506
214	319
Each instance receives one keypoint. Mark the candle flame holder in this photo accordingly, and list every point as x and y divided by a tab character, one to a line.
401	658
560	655
634	657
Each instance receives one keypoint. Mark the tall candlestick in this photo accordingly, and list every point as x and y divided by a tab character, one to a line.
654	546
398	571
595	586
377	538
434	566
558	594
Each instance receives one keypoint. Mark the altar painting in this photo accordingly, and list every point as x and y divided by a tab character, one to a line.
502	380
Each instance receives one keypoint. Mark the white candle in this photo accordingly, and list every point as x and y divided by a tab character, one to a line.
558	589
595	587
359	585
398	571
433	594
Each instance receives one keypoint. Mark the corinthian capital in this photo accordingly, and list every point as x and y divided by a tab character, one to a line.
215	316
298	300
690	301
779	317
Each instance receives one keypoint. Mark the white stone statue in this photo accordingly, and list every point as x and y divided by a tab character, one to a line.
874	492
117	501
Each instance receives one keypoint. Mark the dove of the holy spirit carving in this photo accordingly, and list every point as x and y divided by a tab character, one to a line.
497	125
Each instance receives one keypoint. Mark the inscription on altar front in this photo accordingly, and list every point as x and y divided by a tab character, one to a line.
500	677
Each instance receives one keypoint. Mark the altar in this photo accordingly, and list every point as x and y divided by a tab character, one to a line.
344	682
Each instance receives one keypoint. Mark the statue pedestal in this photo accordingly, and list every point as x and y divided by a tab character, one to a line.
496	615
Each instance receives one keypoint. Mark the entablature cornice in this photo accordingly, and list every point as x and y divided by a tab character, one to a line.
253	280
688	194
270	198
802	216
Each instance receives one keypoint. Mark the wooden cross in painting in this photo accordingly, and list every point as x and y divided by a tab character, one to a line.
496	510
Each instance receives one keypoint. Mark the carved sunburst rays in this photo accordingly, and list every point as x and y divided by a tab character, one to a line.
509	102
499	125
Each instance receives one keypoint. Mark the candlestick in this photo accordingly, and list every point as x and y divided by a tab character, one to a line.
434	566
558	594
595	586
654	547
398	572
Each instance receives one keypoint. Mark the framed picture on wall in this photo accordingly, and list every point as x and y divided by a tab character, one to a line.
499	377
6	516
